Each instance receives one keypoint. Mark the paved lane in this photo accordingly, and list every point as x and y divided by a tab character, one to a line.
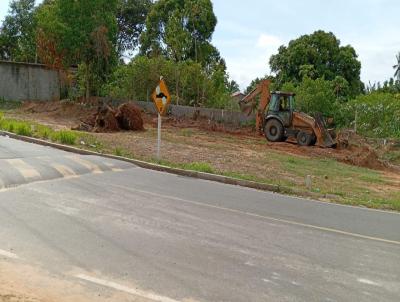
163	236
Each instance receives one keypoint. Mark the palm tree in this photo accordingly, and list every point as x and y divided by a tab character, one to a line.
397	67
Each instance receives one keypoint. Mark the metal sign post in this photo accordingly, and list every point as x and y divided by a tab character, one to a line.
161	99
159	137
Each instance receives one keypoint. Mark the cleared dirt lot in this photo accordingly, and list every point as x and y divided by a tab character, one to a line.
358	174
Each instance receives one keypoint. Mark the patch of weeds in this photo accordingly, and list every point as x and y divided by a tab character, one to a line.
200	167
42	131
64	137
119	151
243	176
22	128
187	132
194	166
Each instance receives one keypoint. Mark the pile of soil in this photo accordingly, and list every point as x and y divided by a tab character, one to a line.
107	119
129	117
358	151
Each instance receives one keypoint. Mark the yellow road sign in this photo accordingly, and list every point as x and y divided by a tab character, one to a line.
161	97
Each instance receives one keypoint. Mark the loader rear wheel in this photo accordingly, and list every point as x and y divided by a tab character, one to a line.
274	131
305	139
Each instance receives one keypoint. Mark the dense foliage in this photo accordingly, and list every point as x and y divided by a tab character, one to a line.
131	18
377	114
315	56
173	38
17	36
188	82
76	37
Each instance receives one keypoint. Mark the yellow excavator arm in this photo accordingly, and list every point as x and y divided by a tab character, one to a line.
249	102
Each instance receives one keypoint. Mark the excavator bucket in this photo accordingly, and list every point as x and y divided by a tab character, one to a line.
324	138
246	108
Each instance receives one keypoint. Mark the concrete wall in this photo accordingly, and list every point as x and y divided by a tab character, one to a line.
227	117
34	82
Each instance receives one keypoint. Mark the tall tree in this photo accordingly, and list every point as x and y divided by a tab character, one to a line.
17	36
317	55
131	17
81	32
179	29
233	86
397	67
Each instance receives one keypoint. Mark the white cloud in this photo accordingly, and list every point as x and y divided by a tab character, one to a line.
266	41
251	60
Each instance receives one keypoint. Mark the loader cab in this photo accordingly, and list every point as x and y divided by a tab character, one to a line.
282	106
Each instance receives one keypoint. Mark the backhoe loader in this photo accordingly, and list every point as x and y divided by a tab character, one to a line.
277	119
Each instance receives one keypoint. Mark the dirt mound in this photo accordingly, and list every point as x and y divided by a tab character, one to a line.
126	117
106	120
365	157
129	117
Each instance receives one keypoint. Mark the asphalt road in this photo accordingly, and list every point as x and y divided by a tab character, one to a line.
113	226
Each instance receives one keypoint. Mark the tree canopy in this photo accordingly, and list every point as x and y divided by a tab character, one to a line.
69	35
131	18
397	67
180	30
318	55
17	35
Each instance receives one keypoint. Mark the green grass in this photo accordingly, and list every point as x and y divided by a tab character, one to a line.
200	167
118	151
24	129
194	166
347	184
39	131
66	137
18	127
249	177
187	132
43	132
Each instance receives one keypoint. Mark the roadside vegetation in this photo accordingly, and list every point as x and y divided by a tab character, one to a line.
124	46
121	49
247	158
35	130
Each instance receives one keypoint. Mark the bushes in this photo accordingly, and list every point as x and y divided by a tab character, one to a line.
65	137
189	82
18	127
24	129
39	131
378	114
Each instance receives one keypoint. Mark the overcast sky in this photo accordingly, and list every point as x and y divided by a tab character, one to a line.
250	31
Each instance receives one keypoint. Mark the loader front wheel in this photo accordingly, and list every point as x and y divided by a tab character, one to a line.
274	131
305	139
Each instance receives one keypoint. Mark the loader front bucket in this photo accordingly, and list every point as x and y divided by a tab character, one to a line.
324	139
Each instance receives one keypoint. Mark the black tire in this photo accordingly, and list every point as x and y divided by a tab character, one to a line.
305	139
274	131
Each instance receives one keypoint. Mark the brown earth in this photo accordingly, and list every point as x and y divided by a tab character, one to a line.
352	150
25	283
129	117
241	153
